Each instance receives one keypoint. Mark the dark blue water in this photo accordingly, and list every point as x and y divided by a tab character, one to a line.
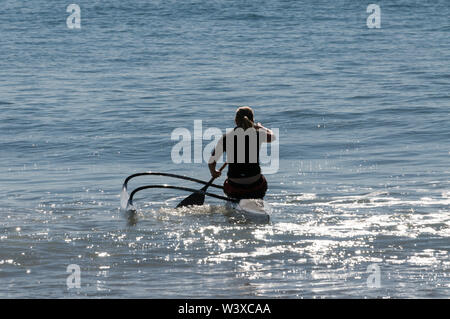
363	119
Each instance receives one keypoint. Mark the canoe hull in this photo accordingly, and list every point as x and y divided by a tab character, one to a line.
252	210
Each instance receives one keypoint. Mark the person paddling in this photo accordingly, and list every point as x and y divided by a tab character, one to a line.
244	178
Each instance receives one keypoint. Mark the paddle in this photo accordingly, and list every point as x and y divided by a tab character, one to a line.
198	198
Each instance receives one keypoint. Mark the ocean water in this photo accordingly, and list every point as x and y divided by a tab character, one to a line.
364	146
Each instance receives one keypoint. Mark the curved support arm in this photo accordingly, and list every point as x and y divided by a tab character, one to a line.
125	183
130	200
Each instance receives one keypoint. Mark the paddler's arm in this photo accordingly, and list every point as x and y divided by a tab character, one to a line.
212	169
269	134
216	154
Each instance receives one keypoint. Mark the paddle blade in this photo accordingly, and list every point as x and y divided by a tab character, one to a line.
197	198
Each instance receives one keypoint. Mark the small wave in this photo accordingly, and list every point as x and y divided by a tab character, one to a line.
439	29
364	97
370	200
408	109
248	16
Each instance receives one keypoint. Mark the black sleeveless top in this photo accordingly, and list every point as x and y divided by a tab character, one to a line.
244	169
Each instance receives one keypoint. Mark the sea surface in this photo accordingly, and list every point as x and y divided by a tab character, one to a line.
360	203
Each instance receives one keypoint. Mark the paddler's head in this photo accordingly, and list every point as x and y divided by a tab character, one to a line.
244	117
